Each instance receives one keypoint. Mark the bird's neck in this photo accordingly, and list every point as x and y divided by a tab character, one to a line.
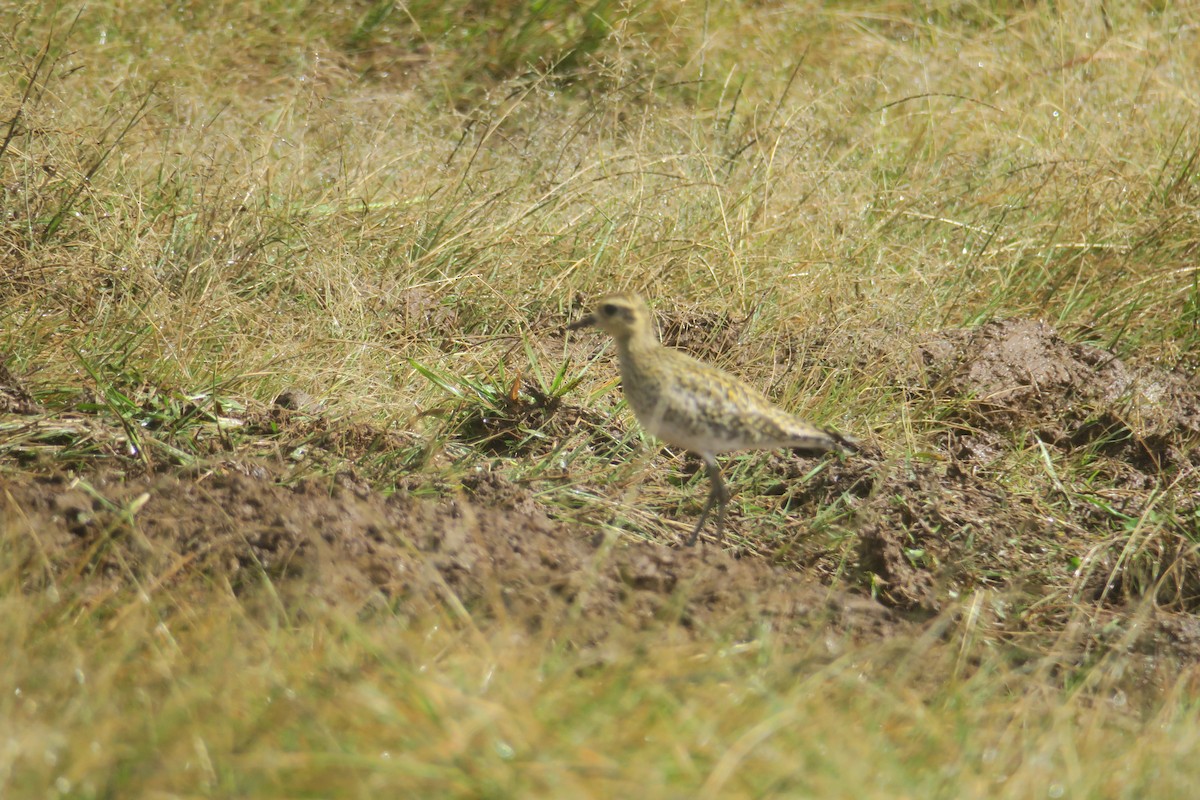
636	345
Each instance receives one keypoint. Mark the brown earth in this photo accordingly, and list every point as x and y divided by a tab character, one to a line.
929	531
493	552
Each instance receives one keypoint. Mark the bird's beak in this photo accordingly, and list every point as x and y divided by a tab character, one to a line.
586	322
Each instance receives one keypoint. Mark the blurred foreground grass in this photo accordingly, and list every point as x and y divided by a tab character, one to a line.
198	695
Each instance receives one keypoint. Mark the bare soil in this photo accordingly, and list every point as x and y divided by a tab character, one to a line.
493	551
928	531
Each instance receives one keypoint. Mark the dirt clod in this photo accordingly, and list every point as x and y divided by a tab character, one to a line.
1014	374
14	397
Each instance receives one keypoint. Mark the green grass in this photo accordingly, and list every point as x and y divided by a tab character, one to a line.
396	208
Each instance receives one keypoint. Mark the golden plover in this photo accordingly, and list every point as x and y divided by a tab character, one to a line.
696	406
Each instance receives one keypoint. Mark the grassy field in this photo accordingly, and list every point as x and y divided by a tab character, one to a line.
445	564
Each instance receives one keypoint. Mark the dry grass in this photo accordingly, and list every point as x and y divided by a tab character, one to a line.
396	208
205	696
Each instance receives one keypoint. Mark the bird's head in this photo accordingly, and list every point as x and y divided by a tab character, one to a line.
624	316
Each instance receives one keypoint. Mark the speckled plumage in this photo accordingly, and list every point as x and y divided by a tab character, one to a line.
694	405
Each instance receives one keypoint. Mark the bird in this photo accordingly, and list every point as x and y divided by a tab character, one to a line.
696	406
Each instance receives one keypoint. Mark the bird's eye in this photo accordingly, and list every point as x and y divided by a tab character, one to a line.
609	309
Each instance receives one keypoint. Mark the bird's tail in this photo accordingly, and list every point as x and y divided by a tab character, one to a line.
845	442
823	440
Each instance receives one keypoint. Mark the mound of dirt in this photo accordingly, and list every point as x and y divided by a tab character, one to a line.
927	530
502	557
943	524
1016	374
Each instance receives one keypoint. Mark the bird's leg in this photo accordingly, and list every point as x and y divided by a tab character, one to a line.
719	494
691	540
722	492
